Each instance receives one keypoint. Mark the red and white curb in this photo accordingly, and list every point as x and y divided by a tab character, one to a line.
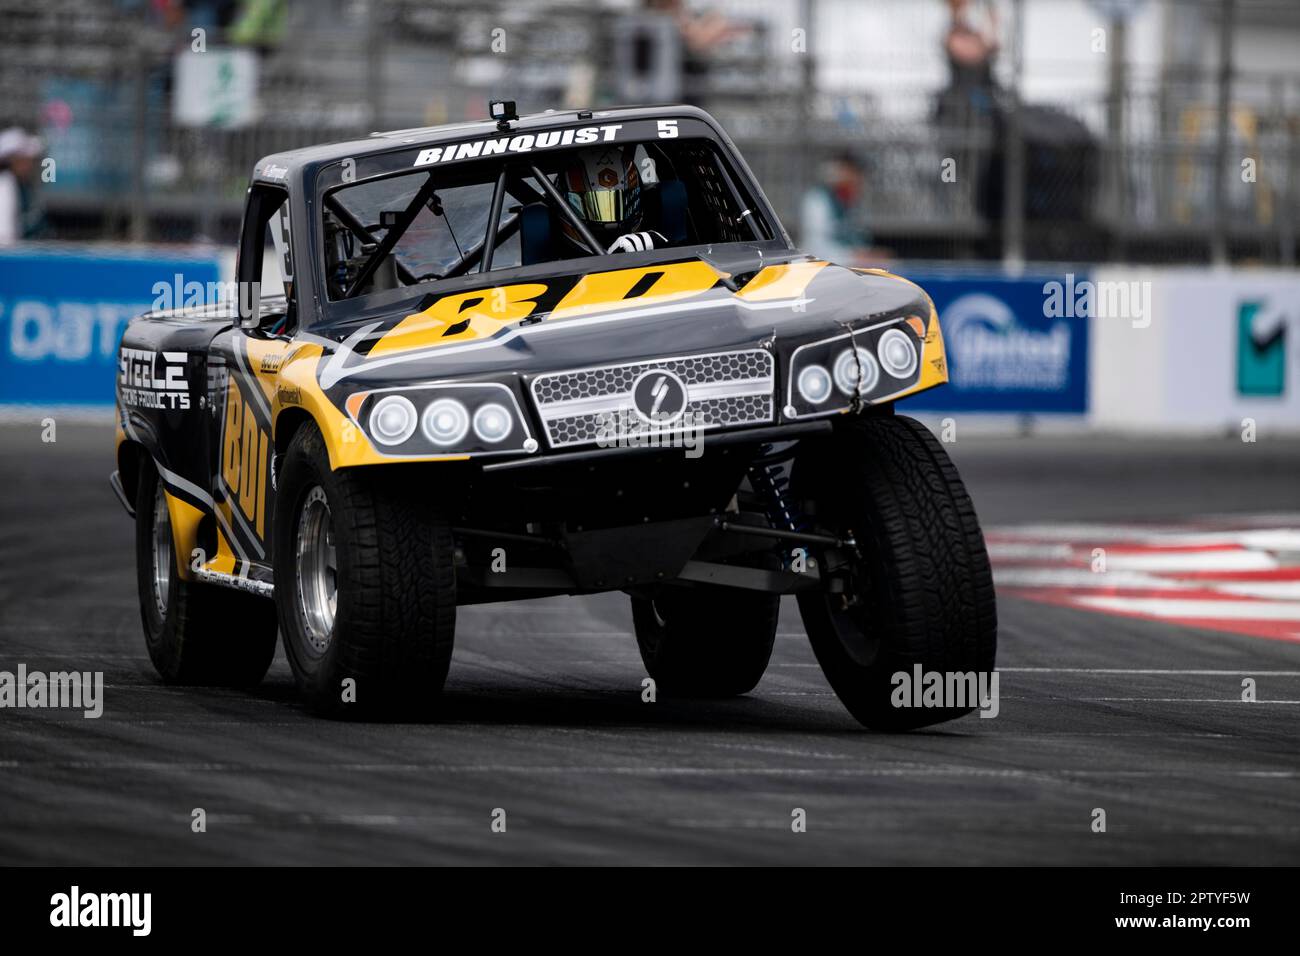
1237	574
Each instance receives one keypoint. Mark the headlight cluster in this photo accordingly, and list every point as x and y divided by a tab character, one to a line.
873	363
449	419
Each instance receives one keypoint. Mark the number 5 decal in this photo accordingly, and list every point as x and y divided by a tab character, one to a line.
668	129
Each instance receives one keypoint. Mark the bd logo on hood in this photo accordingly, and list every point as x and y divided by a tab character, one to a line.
989	348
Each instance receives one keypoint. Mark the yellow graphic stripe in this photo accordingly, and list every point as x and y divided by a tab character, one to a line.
934	357
609	291
786	281
224	560
483	313
347	446
461	317
934	360
185	520
264	358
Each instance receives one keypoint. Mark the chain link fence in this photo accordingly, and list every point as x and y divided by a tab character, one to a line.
1129	176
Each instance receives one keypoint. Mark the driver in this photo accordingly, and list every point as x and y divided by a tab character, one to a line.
602	186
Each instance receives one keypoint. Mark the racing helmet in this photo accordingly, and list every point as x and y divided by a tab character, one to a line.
602	186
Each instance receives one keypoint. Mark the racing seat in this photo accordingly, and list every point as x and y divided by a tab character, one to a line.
665	204
535	231
670	197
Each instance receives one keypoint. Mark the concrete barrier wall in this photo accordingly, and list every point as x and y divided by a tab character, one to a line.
1222	346
63	309
1143	350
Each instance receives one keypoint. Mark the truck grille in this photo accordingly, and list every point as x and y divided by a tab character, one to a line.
722	389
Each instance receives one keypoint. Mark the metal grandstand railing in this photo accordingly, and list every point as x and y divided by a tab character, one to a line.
95	79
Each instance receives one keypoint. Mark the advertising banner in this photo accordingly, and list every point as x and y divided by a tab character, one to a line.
1231	349
1014	344
62	314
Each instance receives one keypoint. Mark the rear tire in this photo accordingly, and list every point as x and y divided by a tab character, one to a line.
365	586
706	641
922	590
196	633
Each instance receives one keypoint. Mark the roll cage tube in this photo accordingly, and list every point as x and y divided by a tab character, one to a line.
494	214
262	203
363	231
746	214
567	211
391	236
484	251
497	230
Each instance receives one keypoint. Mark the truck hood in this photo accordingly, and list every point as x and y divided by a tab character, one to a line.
586	319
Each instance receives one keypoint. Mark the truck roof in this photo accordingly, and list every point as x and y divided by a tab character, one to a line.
287	167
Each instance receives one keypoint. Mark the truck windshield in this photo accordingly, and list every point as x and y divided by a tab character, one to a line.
600	199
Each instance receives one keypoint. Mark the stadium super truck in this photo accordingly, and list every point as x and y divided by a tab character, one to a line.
562	354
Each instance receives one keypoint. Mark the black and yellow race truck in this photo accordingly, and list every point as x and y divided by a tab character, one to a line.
566	353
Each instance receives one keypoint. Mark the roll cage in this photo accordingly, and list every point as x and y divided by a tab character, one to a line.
526	181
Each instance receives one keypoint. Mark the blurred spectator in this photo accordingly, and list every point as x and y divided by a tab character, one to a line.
704	34
968	111
260	24
703	31
20	215
970	52
831	220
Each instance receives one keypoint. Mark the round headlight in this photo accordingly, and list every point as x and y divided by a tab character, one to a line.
815	384
392	420
445	422
492	423
860	372
897	353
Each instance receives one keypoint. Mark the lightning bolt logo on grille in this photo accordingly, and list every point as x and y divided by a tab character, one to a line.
725	388
659	396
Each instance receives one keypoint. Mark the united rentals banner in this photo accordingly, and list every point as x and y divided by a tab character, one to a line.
1014	344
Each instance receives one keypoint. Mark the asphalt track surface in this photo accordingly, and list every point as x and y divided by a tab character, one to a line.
544	717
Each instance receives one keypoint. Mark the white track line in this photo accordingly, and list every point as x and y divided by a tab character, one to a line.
1085	578
1144	670
1206	609
1197	771
1151	700
1028	551
1192	561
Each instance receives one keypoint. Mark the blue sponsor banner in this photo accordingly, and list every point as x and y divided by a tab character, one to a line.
1017	345
62	314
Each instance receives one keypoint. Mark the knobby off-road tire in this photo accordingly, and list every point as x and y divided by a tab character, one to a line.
923	586
196	633
706	641
382	646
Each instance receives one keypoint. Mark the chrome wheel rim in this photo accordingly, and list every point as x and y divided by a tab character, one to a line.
317	564
162	551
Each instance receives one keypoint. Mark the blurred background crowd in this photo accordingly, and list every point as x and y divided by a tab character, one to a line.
992	150
1041	129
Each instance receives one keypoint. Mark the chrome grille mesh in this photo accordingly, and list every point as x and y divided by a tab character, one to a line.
726	388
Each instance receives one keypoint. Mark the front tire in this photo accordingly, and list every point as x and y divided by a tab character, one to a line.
919	590
196	633
706	641
365	586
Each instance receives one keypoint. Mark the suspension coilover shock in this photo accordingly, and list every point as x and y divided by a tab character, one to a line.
771	484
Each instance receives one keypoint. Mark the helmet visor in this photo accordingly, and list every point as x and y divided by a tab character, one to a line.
599	205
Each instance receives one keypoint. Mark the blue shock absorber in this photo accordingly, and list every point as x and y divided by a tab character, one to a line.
768	478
